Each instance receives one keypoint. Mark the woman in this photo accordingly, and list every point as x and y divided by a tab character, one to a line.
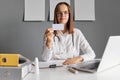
68	43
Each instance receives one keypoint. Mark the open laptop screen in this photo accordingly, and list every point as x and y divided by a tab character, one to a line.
109	59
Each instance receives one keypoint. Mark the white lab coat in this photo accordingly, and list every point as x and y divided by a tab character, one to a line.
64	48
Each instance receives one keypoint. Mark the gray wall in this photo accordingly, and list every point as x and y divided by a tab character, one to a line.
27	37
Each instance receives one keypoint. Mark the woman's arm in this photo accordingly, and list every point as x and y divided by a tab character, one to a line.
85	47
47	53
73	60
48	38
81	44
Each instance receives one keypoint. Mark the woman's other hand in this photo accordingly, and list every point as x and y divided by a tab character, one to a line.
49	36
73	60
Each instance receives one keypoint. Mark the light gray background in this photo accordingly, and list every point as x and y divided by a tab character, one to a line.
27	37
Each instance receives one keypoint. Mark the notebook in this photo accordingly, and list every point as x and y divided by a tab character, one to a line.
110	58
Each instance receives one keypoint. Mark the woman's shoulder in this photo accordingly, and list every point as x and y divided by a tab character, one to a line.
77	31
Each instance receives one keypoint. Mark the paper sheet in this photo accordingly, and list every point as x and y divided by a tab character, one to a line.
34	10
84	10
51	62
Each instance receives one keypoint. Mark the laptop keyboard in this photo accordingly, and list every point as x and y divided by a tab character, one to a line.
89	65
93	65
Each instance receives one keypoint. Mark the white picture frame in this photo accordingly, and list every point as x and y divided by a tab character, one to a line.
84	10
34	10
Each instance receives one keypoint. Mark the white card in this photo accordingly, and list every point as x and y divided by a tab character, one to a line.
58	26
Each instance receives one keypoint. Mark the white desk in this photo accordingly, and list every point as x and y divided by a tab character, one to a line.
63	74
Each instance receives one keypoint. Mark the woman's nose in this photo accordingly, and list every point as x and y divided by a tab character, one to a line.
62	14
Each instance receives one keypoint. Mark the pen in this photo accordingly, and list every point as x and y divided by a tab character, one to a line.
72	70
49	67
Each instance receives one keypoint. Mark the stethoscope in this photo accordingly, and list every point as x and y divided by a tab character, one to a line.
56	36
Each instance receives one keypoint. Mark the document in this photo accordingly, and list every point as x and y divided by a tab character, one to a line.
58	63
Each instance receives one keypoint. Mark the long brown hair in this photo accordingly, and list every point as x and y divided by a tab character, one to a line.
70	20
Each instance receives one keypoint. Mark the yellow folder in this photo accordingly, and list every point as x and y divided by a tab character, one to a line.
9	59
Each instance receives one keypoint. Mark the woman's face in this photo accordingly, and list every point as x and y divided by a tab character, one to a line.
62	14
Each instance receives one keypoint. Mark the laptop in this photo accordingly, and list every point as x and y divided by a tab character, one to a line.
110	58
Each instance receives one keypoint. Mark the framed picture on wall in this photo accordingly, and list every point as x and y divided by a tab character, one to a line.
34	10
84	10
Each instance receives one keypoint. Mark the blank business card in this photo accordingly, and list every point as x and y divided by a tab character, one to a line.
58	26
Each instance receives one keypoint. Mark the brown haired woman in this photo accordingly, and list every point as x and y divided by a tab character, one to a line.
68	43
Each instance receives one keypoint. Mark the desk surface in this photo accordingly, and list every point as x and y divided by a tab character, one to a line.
62	73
